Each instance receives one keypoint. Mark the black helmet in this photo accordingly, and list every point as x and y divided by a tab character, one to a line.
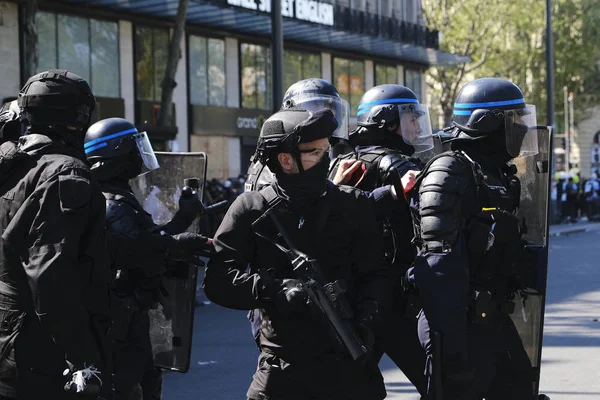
314	94
10	124
391	105
114	147
285	129
57	98
496	107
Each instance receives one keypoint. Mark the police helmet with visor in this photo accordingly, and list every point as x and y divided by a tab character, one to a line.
314	94
492	107
114	147
391	105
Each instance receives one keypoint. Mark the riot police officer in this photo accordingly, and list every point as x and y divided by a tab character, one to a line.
254	269
468	271
54	284
392	127
140	249
310	94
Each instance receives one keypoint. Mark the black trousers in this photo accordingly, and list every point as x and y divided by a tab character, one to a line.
399	339
134	364
502	369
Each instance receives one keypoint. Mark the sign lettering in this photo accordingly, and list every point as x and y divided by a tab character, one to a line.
304	10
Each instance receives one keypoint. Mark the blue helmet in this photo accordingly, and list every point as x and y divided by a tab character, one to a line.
396	107
494	106
115	144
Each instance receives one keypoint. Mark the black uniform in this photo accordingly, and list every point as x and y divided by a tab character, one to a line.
54	275
462	267
397	338
298	359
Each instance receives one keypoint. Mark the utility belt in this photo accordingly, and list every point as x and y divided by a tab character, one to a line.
485	306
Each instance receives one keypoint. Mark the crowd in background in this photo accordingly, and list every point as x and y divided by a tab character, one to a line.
575	199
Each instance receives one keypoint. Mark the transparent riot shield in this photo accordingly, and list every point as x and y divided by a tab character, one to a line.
171	324
534	174
436	149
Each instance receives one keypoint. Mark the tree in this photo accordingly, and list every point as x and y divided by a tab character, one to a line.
173	56
507	39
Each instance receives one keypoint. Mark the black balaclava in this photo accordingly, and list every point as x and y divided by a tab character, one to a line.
304	188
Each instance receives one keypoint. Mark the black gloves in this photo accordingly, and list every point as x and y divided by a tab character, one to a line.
291	297
189	244
189	203
288	295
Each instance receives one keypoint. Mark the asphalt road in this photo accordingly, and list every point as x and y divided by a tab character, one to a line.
224	354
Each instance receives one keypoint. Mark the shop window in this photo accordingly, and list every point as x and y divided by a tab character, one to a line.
412	80
207	71
299	65
84	46
349	79
151	48
385	74
255	76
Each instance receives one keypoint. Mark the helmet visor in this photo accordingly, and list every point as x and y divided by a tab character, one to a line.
146	152
415	126
521	131
339	107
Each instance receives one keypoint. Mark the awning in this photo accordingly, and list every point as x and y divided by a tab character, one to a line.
353	31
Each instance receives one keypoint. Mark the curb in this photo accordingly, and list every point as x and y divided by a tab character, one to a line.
573	231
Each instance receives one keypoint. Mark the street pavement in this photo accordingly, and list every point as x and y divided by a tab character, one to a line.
224	354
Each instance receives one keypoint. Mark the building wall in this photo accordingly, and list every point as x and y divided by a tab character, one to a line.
127	68
10	84
224	152
583	140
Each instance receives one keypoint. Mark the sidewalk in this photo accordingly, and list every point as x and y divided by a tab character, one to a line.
568	229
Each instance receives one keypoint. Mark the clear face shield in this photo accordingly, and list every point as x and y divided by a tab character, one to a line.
415	126
149	160
521	131
339	107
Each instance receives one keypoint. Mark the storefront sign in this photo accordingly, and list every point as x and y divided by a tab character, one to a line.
304	10
227	121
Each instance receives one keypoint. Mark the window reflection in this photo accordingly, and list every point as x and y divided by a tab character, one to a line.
151	48
385	74
299	65
255	76
349	77
84	46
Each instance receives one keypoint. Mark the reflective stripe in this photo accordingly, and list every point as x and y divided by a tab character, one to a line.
490	104
94	148
462	112
114	135
387	101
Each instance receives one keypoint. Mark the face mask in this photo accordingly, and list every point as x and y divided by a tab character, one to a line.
304	188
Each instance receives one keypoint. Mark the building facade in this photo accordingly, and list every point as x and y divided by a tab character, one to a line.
223	90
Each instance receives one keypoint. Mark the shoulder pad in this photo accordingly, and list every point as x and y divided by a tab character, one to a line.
398	162
448	172
74	192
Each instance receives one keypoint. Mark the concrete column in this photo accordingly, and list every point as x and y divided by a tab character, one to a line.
127	68
232	72
369	74
423	97
326	72
10	68
400	75
180	99
234	154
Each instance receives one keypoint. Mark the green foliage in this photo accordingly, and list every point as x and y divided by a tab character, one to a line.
507	39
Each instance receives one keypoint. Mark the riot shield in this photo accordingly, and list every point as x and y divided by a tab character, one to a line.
171	324
534	174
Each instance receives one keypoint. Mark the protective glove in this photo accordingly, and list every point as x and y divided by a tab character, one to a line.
189	203
291	297
189	244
